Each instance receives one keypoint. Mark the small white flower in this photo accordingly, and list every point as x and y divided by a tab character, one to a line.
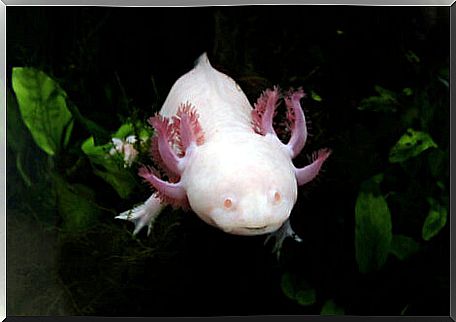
131	139
126	148
118	146
130	154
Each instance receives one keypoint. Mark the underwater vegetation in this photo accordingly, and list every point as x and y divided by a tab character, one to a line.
81	86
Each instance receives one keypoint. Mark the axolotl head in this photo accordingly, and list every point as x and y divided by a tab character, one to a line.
244	186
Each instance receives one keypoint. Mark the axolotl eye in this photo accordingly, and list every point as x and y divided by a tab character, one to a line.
227	203
277	197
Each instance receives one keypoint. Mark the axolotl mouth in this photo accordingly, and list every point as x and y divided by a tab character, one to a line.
256	228
251	230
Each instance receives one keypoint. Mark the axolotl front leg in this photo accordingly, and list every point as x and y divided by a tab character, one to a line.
182	133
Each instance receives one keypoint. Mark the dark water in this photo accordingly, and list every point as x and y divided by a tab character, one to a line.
119	63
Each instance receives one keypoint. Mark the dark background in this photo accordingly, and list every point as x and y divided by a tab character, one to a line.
119	62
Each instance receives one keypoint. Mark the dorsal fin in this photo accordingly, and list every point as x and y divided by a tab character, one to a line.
202	60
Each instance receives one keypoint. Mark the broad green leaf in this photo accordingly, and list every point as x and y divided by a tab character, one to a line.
109	167
435	220
297	289
76	206
373	228
331	308
411	144
403	246
42	104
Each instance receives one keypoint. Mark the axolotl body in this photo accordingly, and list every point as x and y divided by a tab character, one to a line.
223	159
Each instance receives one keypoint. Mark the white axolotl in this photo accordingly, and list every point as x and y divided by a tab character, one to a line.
223	158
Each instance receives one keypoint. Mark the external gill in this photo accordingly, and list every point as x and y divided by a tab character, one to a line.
263	115
176	138
182	132
297	119
265	110
165	137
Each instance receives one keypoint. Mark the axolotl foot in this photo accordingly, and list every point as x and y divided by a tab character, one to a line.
280	234
144	214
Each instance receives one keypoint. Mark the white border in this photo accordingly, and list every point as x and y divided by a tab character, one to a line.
205	3
132	3
3	160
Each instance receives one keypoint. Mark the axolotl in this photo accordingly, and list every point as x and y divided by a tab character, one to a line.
223	159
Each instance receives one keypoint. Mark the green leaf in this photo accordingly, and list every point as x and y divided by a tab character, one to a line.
331	308
443	77
99	133
22	171
385	93
42	104
306	297
124	131
411	144
403	247
297	289
288	285
145	133
98	153
407	91
120	179
76	206
139	130
109	168
412	57
435	220
18	135
373	227
384	102
437	160
315	96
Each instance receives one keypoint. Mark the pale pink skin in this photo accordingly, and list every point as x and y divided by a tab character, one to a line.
226	162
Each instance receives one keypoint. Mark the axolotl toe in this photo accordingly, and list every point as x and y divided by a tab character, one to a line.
222	158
